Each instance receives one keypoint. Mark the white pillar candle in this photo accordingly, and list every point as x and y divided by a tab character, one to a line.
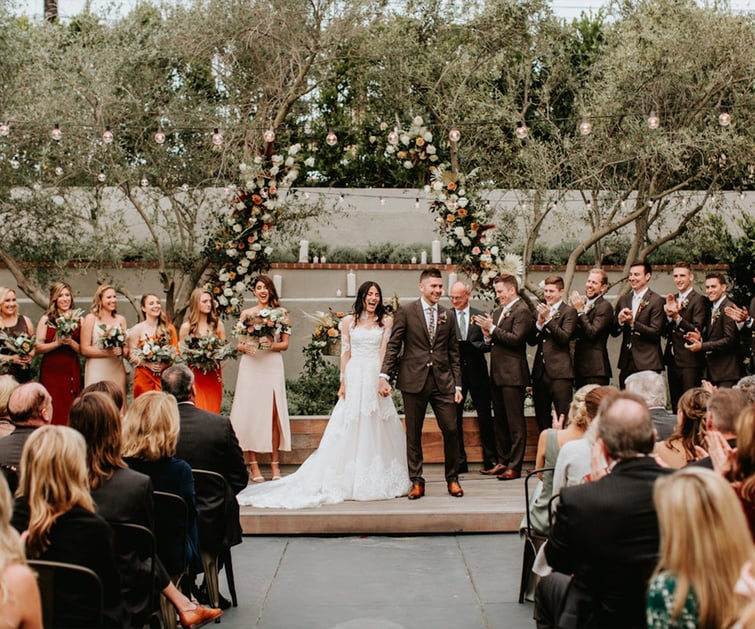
423	257
315	260
451	280
435	248
448	260
414	259
351	284
278	283
304	251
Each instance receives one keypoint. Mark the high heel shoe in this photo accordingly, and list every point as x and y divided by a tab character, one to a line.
254	472
198	617
275	467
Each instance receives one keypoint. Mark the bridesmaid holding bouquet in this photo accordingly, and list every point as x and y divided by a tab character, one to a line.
203	345
103	340
153	345
58	340
16	337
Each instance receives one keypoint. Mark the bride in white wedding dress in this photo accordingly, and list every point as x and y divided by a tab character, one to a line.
362	453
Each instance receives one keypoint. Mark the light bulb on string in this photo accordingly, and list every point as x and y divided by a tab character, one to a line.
101	177
217	137
144	182
724	119
5	128
393	136
107	135
160	136
56	133
454	134
14	163
331	139
269	135
585	127
522	131
185	187
58	171
653	121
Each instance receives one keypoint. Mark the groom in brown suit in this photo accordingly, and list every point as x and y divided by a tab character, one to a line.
429	370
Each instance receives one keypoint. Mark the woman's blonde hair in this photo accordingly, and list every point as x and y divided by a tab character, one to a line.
7	385
4	290
193	317
150	426
578	410
96	308
705	541
56	290
53	480
11	548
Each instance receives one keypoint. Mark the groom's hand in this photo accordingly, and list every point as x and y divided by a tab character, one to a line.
458	397
384	387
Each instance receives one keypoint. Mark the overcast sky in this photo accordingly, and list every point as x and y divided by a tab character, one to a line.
563	8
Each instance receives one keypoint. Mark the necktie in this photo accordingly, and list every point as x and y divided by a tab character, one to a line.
431	323
635	304
463	325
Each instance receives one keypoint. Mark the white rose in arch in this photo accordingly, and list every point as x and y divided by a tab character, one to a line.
268	251
466	241
240	287
290	161
274	170
277	159
309	162
459	231
250	185
433	158
250	255
234	301
228	291
463	201
430	150
408	164
241	269
494	250
405	139
428	138
418	122
294	149
222	300
237	228
231	253
256	246
257	159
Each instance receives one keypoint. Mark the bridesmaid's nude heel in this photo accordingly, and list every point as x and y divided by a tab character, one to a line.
254	472
276	470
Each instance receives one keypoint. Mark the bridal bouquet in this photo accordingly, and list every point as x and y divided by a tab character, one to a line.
149	351
67	323
111	338
327	334
269	322
205	352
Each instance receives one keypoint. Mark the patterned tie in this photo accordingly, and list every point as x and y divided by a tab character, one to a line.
431	323
463	325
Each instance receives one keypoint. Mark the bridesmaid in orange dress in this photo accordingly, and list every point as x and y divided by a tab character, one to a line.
203	320
60	371
13	324
154	327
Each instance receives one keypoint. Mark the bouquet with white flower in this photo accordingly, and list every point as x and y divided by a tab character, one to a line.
267	323
205	352
111	338
149	351
68	322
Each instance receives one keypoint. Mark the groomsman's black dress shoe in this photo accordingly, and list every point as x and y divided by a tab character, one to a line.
494	471
509	474
417	491
455	489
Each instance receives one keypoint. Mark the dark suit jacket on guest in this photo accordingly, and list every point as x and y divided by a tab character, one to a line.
12	445
606	535
590	350
641	341
721	348
663	421
472	350
207	441
693	316
508	351
553	356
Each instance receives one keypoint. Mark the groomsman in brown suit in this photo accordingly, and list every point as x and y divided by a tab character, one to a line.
719	340
552	369
745	323
507	331
594	323
424	346
640	320
685	311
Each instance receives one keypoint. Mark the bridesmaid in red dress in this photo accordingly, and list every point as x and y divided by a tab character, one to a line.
203	320
154	327
60	371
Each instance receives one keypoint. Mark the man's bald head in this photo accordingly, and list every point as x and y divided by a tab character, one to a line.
30	403
459	295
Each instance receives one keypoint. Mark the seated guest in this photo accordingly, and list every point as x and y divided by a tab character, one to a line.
723	410
604	542
109	388
705	543
747	386
651	387
7	385
124	495
573	461
150	434
55	507
20	602
682	446
29	407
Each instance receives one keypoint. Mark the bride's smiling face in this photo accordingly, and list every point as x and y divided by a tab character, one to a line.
371	300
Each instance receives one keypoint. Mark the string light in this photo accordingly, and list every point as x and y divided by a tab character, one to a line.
454	135
585	127
217	137
160	136
724	119
331	139
58	171
144	182
107	135
5	129
101	177
393	136
14	163
653	121
522	131
56	133
269	136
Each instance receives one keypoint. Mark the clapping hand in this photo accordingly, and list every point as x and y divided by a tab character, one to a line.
722	455
578	301
671	307
694	340
740	315
543	314
625	316
485	323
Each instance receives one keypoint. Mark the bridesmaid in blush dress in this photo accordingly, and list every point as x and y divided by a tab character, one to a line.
203	320
60	371
155	328
12	323
260	411
103	364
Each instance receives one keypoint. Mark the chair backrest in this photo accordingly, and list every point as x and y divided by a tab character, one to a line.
72	595
535	473
171	531
211	489
136	551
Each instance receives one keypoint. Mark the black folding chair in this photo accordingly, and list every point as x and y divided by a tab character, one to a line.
59	584
171	533
532	539
212	493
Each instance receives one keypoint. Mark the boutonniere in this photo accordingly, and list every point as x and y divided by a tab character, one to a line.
645	301
505	314
442	318
556	315
715	315
588	307
683	304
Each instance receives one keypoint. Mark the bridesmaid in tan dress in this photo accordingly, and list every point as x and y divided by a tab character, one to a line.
103	364
260	411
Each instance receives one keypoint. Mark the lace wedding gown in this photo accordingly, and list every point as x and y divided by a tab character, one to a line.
362	454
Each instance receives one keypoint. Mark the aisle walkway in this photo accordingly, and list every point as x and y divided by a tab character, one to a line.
374	582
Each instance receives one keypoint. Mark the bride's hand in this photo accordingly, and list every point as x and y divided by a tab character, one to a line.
342	390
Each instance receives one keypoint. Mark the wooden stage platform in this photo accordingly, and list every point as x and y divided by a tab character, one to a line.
488	505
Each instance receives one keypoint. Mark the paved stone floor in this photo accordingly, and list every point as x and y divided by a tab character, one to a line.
375	582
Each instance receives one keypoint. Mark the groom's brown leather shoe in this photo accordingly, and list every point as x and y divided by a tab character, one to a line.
494	471
455	489
509	474
417	491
